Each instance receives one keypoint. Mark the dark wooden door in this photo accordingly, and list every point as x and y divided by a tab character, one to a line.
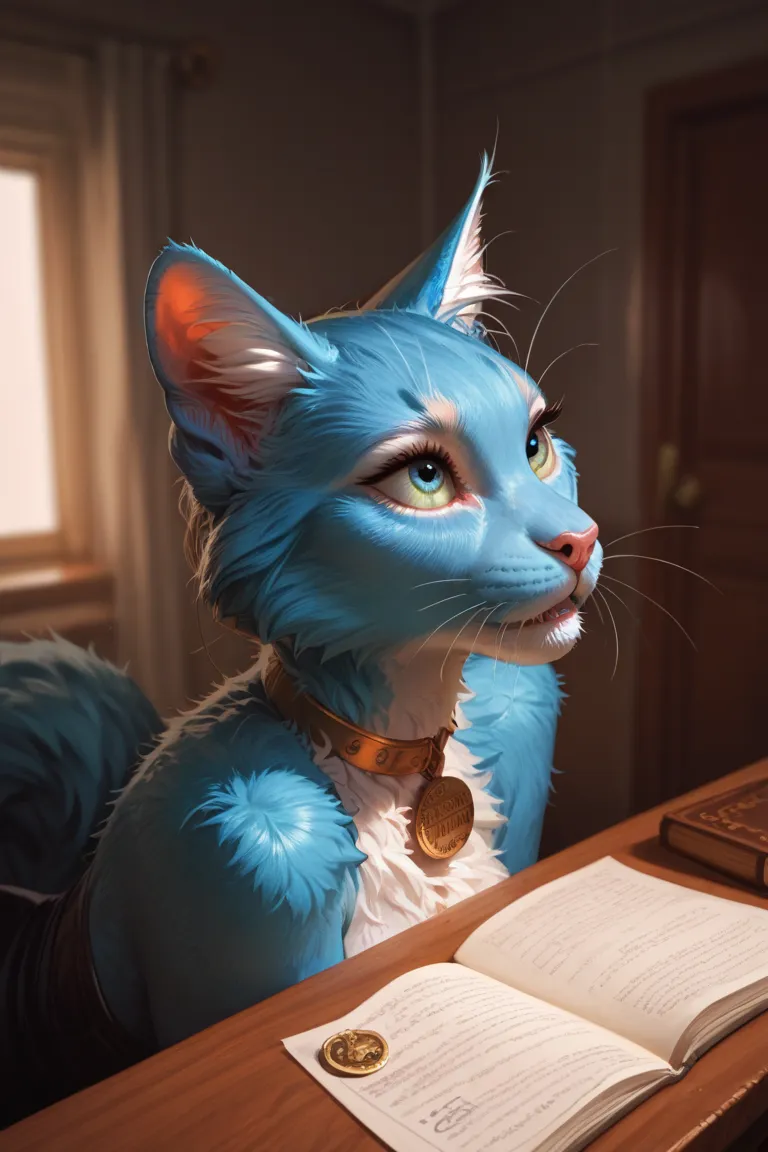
705	398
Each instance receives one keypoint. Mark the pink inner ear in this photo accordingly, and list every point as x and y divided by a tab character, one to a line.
180	327
184	297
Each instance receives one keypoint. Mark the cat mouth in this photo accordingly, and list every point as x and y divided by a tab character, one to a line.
537	639
558	614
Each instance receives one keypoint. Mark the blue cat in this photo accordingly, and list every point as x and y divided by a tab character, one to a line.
377	495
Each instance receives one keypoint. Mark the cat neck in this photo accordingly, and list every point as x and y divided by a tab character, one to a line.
404	694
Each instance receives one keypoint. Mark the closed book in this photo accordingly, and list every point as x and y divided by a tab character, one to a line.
728	832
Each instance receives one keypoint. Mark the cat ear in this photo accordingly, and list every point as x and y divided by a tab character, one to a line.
448	282
225	358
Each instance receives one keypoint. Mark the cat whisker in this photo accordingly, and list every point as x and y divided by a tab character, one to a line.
482	625
505	330
448	621
658	560
447	580
492	333
464	625
509	304
195	651
586	264
493	239
599	613
651	600
497	320
640	531
615	629
205	646
457	596
502	632
562	354
621	601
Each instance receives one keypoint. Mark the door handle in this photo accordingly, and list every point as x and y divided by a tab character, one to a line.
688	492
671	488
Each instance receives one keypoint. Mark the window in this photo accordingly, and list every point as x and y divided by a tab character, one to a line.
50	577
29	504
89	531
44	467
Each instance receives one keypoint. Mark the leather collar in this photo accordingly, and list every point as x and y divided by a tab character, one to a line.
363	749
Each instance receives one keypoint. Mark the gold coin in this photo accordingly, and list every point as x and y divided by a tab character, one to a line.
444	817
355	1053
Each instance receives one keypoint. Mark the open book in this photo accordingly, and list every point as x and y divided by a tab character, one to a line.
562	1012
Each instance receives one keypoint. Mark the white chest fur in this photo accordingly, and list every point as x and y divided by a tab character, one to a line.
396	890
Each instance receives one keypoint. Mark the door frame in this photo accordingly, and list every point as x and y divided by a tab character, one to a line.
670	111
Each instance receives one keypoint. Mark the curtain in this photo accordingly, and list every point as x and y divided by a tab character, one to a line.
137	530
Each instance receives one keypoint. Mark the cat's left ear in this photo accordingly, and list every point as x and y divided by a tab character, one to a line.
448	282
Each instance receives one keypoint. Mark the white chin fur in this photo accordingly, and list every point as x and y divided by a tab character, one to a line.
533	643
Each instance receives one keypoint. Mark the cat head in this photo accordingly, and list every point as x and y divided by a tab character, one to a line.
374	479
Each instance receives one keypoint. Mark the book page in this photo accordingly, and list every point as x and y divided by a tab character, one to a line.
638	955
475	1065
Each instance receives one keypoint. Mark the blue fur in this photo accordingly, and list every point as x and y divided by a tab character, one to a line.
288	838
71	729
514	721
164	874
229	869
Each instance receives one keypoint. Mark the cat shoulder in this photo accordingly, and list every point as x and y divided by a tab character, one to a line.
232	785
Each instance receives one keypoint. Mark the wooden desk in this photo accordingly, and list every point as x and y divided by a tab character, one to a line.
233	1088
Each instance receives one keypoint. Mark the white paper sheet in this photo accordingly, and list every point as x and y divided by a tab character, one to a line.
473	1065
634	953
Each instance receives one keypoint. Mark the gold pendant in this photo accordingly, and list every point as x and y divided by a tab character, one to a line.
353	1053
444	817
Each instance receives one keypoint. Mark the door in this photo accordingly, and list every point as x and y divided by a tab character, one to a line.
705	397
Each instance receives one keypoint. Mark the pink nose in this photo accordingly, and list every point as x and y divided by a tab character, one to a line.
574	548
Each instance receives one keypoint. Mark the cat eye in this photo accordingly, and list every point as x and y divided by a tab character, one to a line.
540	453
425	483
539	447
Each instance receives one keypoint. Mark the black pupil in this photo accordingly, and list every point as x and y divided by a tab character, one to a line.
427	473
532	446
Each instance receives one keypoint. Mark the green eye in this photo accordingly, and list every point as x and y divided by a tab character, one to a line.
540	453
425	483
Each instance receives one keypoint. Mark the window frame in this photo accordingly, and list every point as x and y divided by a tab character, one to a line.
49	155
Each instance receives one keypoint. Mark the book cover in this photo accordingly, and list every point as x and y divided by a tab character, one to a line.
729	832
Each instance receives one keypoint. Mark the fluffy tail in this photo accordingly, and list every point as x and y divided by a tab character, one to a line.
72	728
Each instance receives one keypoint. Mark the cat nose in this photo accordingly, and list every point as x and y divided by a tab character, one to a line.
574	548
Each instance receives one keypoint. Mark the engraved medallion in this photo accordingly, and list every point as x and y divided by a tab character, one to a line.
444	817
355	1053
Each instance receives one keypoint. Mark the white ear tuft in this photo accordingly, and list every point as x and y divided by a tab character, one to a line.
448	282
468	285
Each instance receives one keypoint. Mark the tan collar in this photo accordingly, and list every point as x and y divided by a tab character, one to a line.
364	750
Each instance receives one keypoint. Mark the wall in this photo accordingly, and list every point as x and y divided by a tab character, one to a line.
297	166
565	85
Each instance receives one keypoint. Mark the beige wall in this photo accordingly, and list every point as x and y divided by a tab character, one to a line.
297	166
566	83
